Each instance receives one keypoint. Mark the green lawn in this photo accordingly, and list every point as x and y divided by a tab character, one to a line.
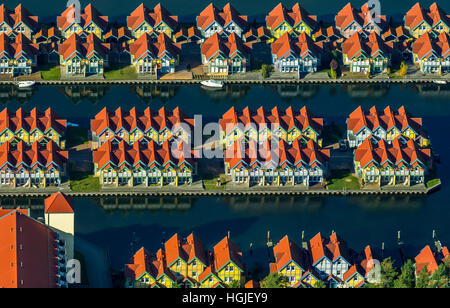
76	136
50	72
210	183
83	181
121	72
342	179
432	183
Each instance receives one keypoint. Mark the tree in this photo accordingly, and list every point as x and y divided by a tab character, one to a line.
236	284
403	69
423	279
440	278
266	70
406	278
273	281
176	285
320	285
388	273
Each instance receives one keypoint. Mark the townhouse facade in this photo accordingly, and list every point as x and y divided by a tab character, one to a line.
116	164
299	55
225	56
387	124
18	56
294	21
261	125
276	163
419	20
134	125
370	55
154	57
19	21
89	21
432	55
37	166
157	20
35	126
221	21
398	163
186	262
83	57
350	20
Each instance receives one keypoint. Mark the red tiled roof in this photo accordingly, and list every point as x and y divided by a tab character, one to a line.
4	212
372	46
397	153
251	284
417	14
293	16
20	14
118	33
349	14
287	251
367	262
88	14
156	49
48	33
228	47
85	49
28	253
59	203
300	46
426	257
426	45
226	251
332	248
187	249
188	33
152	17
18	46
223	17
35	119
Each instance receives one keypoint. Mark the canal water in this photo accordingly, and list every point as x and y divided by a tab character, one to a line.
361	220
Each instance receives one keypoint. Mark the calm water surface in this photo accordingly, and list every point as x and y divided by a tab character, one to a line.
361	220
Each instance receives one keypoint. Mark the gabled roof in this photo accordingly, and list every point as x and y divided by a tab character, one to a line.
227	47
426	45
287	251
119	33
349	14
300	46
156	49
3	212
152	17
186	250
28	257
75	45
427	257
88	14
293	17
19	15
188	34
331	248
17	47
226	251
370	47
223	17
432	16
59	203
35	119
47	33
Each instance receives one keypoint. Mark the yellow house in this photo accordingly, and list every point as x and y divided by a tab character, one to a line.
143	20
353	279
419	20
228	263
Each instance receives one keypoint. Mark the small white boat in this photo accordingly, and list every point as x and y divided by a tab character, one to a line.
25	84
440	81
212	83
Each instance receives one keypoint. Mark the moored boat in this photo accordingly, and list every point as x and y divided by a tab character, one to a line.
25	84
212	83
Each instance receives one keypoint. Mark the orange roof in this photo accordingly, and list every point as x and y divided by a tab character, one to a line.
223	17
19	15
134	119
28	253
331	249
36	155
35	119
18	46
387	119
427	258
142	262
380	153
426	45
118	33
188	34
227	47
432	16
75	45
152	17
287	251
58	203
293	17
349	14
300	47
4	212
186	250
370	47
88	15
48	33
226	251
251	284
163	45
367	262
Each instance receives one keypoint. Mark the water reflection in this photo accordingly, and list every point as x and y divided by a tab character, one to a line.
292	91
143	203
77	93
274	204
12	93
232	92
360	91
148	93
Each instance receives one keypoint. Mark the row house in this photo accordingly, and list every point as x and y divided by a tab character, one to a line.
262	125
294	21
36	166
223	22
419	20
118	36
329	34
225	56
135	125
369	55
31	127
276	163
83	57
257	35
398	163
188	263
431	54
299	55
387	124
19	21
89	21
117	163
429	259
18	55
188	35
36	255
154	57
157	20
48	35
365	21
